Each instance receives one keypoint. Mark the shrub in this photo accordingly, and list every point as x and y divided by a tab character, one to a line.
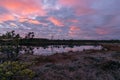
13	70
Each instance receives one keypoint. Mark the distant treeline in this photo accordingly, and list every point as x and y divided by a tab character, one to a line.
64	42
12	38
42	42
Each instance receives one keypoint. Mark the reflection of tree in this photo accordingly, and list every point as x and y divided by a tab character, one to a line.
27	49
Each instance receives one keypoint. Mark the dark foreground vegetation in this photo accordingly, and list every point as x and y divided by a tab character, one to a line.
91	64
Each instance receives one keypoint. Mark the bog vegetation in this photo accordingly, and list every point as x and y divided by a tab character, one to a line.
10	67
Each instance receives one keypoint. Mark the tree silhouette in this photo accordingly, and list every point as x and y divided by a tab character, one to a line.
30	35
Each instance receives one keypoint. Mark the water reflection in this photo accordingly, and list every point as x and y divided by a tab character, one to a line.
49	50
44	50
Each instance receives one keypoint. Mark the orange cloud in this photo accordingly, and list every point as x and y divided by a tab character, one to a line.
55	21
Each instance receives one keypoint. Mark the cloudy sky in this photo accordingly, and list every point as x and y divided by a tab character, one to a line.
64	19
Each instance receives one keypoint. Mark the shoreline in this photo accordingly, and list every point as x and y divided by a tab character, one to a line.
79	65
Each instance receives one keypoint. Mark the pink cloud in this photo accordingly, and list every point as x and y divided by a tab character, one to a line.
74	31
6	17
73	20
68	2
32	21
55	21
83	11
102	31
23	7
74	28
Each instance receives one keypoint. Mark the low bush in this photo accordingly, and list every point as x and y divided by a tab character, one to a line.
15	71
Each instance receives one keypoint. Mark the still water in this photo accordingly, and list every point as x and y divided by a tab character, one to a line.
61	48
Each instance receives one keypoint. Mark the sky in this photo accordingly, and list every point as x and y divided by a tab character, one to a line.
63	19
